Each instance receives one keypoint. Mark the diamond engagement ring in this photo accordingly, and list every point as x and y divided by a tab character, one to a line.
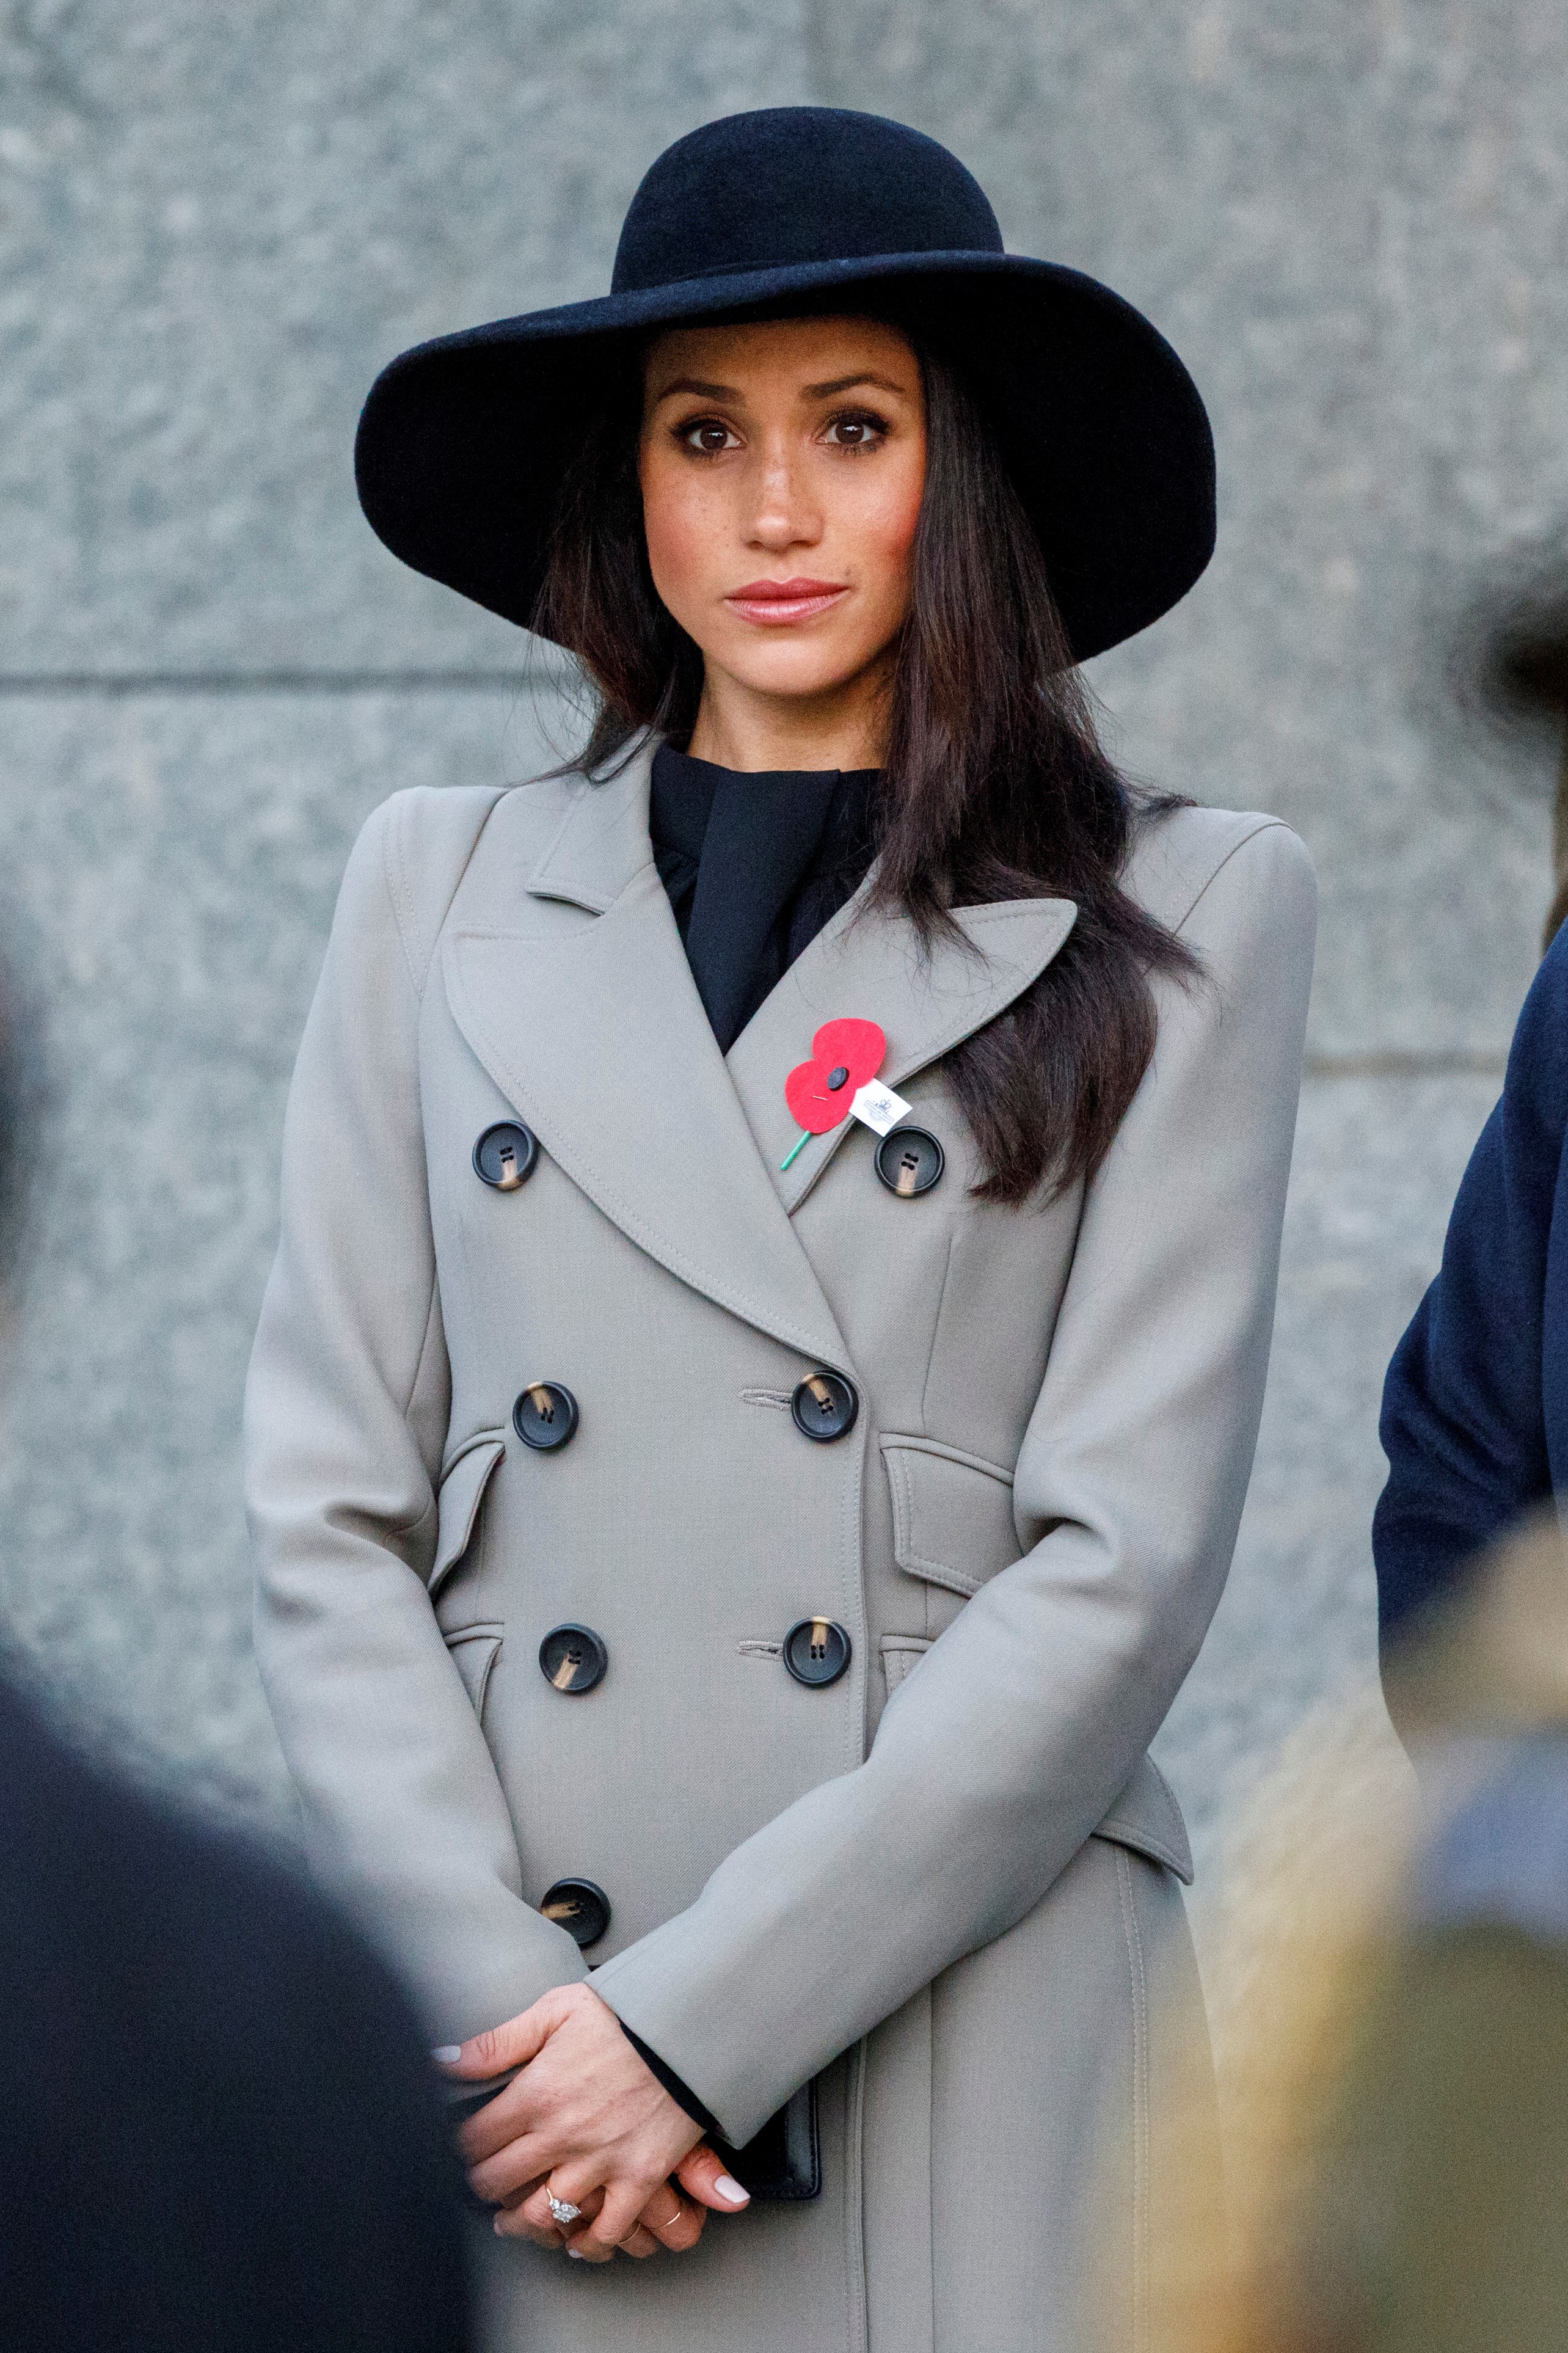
562	2208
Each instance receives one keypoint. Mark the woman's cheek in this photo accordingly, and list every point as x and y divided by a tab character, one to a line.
682	534
890	543
669	577
887	524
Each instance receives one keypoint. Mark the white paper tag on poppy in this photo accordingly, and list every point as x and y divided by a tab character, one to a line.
879	1107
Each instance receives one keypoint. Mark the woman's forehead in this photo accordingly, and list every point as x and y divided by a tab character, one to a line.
807	351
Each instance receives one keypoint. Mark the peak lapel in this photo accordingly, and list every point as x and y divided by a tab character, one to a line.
871	965
625	1085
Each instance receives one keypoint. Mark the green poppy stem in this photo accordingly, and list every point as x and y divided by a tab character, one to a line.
800	1144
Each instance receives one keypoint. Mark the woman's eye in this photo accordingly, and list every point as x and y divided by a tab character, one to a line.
707	436
857	432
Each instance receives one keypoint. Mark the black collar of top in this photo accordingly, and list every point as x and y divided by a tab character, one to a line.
464	441
754	863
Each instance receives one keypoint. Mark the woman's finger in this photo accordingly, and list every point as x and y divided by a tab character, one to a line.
515	2109
674	2221
529	2217
536	2210
617	2218
501	2121
511	2045
510	2223
640	2243
497	2179
518	2219
702	2175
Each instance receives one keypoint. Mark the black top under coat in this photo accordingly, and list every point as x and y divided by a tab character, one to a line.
755	864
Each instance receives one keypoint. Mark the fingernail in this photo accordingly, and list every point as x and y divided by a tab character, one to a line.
576	2255
496	2227
447	2054
728	2186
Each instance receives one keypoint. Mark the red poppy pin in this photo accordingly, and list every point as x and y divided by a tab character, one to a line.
846	1056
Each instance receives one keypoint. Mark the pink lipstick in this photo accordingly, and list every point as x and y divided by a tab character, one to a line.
773	601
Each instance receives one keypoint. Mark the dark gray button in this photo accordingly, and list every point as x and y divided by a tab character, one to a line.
825	1407
838	1078
545	1415
579	1908
573	1659
816	1651
505	1155
909	1161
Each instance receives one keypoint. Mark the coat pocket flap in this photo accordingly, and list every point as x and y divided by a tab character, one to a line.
953	1514
474	1652
900	1653
462	1493
1147	1818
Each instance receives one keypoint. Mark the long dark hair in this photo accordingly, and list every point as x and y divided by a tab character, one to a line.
994	786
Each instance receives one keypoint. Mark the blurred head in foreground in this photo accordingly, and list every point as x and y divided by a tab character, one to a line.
1509	666
1392	2019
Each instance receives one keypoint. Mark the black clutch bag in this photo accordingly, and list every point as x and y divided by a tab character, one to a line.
783	2163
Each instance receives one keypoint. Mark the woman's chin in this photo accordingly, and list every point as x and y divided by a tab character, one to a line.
801	673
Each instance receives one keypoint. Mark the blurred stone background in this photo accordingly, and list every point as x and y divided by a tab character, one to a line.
217	222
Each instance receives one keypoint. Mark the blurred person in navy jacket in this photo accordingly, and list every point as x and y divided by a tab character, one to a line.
1475	1406
218	2124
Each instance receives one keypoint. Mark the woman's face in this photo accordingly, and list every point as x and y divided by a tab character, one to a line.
782	468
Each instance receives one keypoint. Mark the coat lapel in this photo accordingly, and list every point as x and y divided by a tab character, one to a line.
597	1035
871	965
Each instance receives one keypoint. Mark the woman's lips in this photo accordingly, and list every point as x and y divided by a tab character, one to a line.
771	601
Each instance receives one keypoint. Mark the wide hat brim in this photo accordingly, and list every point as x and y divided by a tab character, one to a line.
464	441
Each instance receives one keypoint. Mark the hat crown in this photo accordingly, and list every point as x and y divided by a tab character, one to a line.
787	185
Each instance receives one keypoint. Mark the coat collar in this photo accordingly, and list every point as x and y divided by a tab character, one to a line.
602	841
597	1035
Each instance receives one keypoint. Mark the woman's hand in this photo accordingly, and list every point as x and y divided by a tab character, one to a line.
586	2122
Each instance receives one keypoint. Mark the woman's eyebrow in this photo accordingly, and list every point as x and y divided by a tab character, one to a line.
701	389
844	383
695	383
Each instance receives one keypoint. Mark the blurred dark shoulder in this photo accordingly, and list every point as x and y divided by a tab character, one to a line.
217	2119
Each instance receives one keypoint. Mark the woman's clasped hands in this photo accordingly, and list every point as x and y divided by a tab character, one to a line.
585	2124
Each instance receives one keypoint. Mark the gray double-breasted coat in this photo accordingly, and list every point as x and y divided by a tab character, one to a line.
940	1884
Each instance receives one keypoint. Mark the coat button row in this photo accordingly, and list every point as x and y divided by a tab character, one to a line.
573	1659
824	1406
909	1160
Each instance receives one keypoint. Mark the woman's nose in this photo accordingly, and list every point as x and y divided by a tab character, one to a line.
786	515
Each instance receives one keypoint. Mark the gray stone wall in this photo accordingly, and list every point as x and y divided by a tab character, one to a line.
217	222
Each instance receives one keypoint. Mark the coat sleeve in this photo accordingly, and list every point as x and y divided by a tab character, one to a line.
346	1412
1006	1747
1464	1420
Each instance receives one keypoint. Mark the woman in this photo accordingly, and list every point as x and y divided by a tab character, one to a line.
720	1576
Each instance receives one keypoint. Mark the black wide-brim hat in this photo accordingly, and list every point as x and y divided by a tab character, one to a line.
464	441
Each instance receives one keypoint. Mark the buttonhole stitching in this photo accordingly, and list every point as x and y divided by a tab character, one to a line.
780	1398
761	1649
